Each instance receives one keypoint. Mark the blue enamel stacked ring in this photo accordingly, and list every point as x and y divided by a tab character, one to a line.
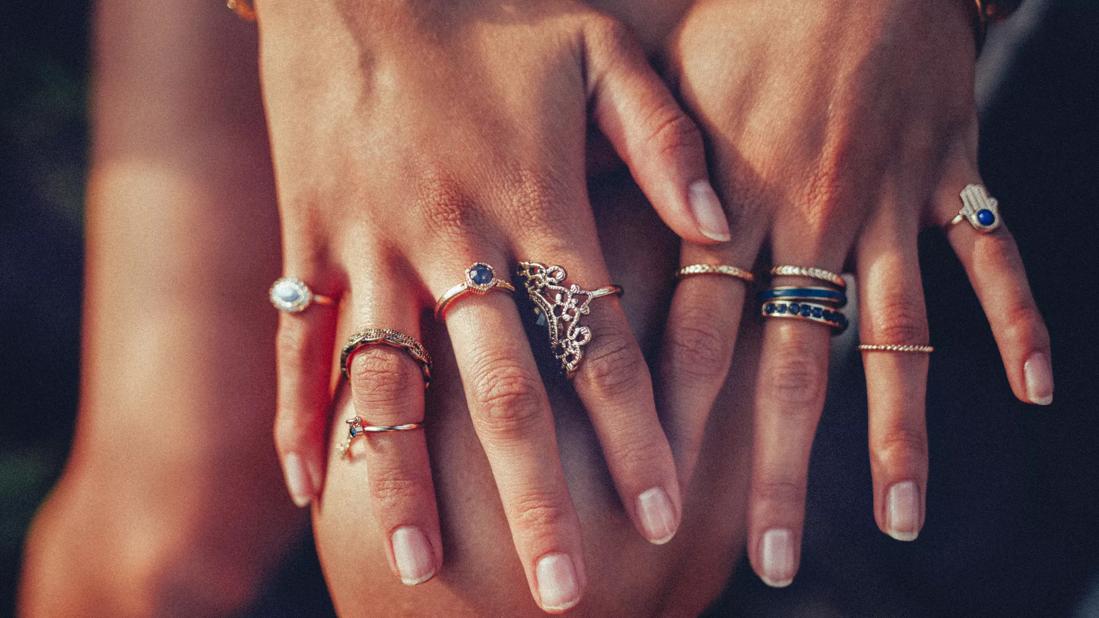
816	304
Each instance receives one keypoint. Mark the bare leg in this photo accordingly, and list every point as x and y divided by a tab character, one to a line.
172	501
481	572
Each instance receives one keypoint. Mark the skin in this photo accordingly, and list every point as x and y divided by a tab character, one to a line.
838	132
172	465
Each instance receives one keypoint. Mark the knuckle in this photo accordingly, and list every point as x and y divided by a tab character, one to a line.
781	491
794	376
899	319
538	513
392	491
381	375
673	132
444	207
536	195
901	448
507	401
697	347
614	365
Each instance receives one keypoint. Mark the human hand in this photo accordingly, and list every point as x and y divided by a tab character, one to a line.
838	131
411	140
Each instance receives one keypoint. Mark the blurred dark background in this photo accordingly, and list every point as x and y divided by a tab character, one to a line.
1012	500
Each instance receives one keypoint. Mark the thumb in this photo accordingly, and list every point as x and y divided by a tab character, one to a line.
659	143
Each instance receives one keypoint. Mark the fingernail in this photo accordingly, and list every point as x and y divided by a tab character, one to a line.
777	553
707	211
1039	379
297	480
902	511
557	585
657	515
413	555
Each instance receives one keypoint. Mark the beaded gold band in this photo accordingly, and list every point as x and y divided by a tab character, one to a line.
389	337
810	272
480	279
896	347
727	270
242	8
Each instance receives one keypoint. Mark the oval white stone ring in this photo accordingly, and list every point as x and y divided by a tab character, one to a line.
291	295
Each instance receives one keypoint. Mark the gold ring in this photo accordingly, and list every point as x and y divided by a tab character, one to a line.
896	347
356	427
810	272
480	279
392	338
727	270
291	295
559	309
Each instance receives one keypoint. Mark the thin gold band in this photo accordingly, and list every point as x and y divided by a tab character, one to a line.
727	270
389	337
809	272
896	347
462	289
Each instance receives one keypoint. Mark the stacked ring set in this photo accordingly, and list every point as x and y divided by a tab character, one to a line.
816	304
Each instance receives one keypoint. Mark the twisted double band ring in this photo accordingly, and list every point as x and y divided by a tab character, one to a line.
480	279
896	347
827	276
811	294
291	295
559	308
356	427
389	337
809	312
727	270
980	209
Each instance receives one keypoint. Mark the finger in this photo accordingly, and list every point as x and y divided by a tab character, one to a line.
304	368
387	388
660	144
613	382
996	271
512	417
698	345
892	311
789	398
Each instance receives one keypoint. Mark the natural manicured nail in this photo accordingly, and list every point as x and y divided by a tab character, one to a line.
776	550
708	211
558	588
902	511
1039	379
297	480
657	515
413	555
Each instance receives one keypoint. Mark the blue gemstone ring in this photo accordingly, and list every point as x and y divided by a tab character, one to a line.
981	210
809	312
812	294
480	279
356	427
291	295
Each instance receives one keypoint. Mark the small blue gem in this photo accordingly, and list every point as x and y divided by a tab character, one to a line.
794	307
986	217
481	274
782	308
806	311
818	312
770	308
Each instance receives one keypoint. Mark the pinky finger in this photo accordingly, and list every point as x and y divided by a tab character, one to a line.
995	268
304	362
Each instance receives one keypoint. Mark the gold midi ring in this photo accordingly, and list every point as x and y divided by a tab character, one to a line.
480	279
356	427
392	338
896	347
559	309
827	276
291	295
727	270
979	208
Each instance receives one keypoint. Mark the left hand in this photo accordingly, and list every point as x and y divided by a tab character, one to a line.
838	130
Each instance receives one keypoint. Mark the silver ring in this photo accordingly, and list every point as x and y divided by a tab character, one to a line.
291	295
979	208
559	308
356	427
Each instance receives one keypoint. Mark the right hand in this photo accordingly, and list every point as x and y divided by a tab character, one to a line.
410	141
